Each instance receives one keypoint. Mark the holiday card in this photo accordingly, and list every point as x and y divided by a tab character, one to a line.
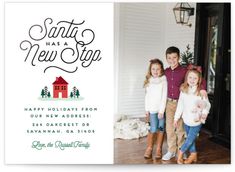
79	76
58	83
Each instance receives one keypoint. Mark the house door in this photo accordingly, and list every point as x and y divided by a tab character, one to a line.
212	52
60	95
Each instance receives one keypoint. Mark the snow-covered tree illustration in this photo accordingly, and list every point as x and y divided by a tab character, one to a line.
74	91
71	94
48	94
45	90
43	93
77	93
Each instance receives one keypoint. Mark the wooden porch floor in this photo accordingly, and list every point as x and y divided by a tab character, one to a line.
132	151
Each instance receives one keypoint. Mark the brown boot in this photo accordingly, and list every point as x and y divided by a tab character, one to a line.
159	142
192	158
180	157
149	149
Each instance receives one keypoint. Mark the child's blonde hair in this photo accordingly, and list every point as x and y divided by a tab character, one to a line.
184	87
148	75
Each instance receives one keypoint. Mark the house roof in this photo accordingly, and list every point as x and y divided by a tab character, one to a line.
59	80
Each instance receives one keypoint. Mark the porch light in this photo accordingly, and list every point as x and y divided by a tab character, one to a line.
182	12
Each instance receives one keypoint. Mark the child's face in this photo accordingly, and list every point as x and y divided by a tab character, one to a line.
172	59
155	70
192	79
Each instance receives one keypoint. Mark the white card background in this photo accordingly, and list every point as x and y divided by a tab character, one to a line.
24	82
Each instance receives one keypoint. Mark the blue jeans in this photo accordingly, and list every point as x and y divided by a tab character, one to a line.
189	143
156	124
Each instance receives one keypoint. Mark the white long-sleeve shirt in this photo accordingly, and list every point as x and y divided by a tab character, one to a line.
186	105
156	95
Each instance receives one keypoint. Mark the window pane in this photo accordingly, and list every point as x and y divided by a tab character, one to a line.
213	32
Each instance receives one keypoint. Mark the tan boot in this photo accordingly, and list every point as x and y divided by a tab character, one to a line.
149	149
159	142
180	157
192	158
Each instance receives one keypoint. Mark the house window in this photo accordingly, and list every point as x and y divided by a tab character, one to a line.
63	87
57	87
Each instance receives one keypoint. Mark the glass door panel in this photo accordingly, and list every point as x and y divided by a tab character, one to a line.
212	40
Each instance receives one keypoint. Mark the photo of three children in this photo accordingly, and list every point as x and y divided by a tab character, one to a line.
178	91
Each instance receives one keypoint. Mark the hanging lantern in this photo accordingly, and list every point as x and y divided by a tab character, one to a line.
182	12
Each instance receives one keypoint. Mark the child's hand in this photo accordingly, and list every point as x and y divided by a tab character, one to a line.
147	116
176	123
203	93
160	115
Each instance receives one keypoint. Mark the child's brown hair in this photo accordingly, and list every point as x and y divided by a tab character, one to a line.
148	75
173	50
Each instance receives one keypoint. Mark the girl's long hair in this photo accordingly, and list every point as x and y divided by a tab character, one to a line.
184	87
148	75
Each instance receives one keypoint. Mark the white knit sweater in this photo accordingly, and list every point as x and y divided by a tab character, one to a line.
186	104
156	95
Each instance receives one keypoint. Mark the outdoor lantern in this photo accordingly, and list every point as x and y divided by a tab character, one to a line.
182	12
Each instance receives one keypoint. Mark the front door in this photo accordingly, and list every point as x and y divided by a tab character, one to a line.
212	52
60	95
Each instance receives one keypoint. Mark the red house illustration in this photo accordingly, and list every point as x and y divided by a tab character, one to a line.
60	88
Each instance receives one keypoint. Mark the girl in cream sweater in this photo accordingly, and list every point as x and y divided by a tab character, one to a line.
155	103
187	108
